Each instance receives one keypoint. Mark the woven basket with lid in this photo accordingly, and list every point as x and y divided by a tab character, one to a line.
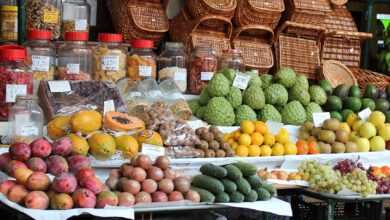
255	44
308	11
260	12
201	8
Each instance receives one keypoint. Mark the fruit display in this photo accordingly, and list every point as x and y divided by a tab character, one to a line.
355	135
285	97
143	181
253	139
212	143
266	174
235	182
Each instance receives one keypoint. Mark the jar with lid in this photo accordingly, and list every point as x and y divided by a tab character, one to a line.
231	59
172	65
8	20
44	15
26	120
15	79
202	66
74	57
41	54
141	62
109	58
75	16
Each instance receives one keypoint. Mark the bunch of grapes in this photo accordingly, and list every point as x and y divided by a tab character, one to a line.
358	181
347	166
383	183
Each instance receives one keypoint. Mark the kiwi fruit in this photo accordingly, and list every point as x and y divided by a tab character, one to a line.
325	148
308	125
342	136
331	124
338	147
327	136
315	131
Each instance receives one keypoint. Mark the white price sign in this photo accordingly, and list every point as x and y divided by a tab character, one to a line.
110	63
145	71
365	114
109	106
81	25
319	118
274	127
59	86
14	90
206	76
40	63
73	68
241	81
153	151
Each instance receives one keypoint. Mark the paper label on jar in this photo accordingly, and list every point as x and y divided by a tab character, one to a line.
206	76
110	63
80	25
50	17
28	129
241	81
145	71
108	106
40	63
59	86
13	90
73	68
153	151
181	74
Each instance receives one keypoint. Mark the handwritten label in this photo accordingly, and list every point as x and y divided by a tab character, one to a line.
274	127
13	90
319	118
50	17
365	114
145	71
73	68
110	63
80	25
28	129
241	81
40	63
206	76
153	151
108	106
59	86
181	74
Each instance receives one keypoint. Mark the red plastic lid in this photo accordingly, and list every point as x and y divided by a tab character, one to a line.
76	36
39	35
140	43
12	52
108	37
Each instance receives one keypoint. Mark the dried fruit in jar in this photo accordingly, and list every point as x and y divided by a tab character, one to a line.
74	25
109	64
140	68
201	71
43	15
68	73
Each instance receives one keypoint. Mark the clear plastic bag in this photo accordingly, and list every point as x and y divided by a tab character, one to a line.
175	99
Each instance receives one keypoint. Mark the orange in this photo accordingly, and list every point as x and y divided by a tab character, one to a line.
385	170
257	138
231	141
311	138
242	151
245	139
302	147
254	151
269	139
313	147
261	127
277	149
290	149
236	135
234	145
265	151
247	127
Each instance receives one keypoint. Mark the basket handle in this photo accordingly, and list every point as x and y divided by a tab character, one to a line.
239	30
346	34
214	17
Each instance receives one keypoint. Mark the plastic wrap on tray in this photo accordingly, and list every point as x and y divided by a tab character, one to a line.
183	152
83	95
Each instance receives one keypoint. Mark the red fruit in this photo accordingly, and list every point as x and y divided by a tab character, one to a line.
38	181
20	151
112	182
64	183
159	196
17	193
126	170
41	148
61	201
36	200
84	198
62	146
149	186
92	183
166	185
37	164
5	158
138	174
6	185
193	196
57	165
130	186
85	172
78	162
182	184
125	199
22	174
162	162
143	198
169	174
13	165
155	173
106	198
143	161
175	196
115	173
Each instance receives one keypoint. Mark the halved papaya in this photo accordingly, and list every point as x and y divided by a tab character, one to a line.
118	121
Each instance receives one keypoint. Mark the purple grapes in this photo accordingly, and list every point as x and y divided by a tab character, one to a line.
347	165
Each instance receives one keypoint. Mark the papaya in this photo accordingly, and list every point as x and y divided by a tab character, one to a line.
118	121
102	145
86	121
58	127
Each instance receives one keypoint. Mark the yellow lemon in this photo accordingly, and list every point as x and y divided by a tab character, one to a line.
237	135
282	137
242	151
231	141
257	138
234	145
266	151
245	139
351	119
247	127
261	127
254	151
345	126
377	118
269	139
356	125
277	149
290	149
226	137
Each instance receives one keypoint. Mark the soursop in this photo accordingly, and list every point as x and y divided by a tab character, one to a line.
317	94
219	112
204	97
300	94
302	82
267	80
312	108
294	113
230	74
245	112
286	77
270	113
234	97
276	94
218	86
254	97
194	105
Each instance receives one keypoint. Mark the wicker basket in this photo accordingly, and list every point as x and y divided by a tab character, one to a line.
255	44
260	12
300	52
365	77
337	73
201	8
139	20
308	11
339	3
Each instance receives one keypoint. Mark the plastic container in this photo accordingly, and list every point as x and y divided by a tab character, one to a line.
8	20
15	79
25	120
75	16
44	15
203	65
172	65
41	54
141	62
75	57
231	59
110	58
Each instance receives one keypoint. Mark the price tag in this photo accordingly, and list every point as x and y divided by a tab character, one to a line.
73	68
319	118
80	25
59	86
50	16
365	114
110	63
274	127
195	124
153	151
206	76
108	106
241	81
28	130
40	63
13	90
145	71
181	74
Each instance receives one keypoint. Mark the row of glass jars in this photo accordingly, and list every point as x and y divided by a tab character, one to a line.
53	15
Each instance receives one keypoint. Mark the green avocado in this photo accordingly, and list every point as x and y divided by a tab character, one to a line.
387	116
336	115
326	86
382	105
354	91
345	113
334	103
371	92
341	91
352	103
368	103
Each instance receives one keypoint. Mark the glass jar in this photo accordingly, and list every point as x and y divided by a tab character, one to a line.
26	120
231	59
202	66
15	79
141	62
44	15
74	57
172	65
75	16
41	54
109	58
8	20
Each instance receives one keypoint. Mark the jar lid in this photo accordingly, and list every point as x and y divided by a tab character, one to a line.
174	45
12	52
36	34
76	36
141	43
108	37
